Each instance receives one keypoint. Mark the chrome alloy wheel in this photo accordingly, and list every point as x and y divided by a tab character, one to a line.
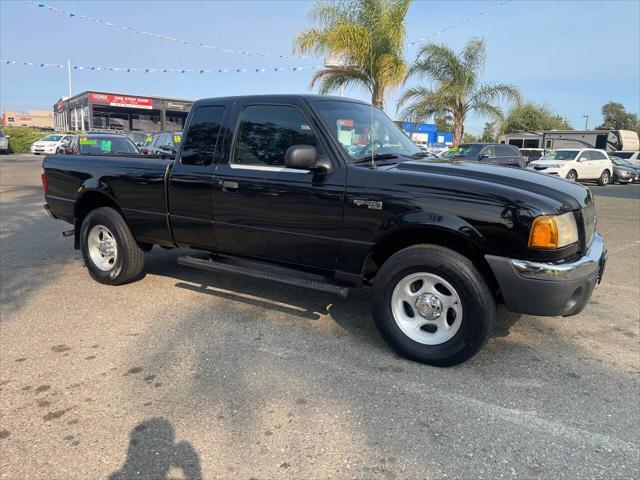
102	247
426	308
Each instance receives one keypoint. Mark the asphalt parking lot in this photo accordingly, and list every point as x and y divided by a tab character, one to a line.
190	375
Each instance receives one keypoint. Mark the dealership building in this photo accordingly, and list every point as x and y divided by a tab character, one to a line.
100	110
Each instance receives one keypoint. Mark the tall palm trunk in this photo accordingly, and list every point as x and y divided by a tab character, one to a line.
458	130
377	96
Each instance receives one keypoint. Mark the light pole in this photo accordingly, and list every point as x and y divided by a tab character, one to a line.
586	121
336	61
69	75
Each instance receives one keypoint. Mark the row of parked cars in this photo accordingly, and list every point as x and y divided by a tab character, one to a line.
586	164
162	144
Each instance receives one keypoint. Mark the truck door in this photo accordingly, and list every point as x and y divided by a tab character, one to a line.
190	183
263	209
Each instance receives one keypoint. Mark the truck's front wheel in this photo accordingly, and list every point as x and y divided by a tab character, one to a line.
432	305
110	252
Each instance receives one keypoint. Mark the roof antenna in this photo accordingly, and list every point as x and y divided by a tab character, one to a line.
371	139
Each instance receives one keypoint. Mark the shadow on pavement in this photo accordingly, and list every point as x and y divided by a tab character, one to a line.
154	455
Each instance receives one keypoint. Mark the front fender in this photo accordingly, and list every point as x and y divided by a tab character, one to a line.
426	220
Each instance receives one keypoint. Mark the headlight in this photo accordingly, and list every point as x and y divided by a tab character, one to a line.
553	231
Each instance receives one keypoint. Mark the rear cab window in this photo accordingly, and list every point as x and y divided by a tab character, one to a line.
199	147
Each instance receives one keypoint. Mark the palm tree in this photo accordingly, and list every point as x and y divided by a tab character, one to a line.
368	36
455	87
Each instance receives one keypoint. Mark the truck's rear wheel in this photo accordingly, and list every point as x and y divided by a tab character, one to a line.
432	305
110	252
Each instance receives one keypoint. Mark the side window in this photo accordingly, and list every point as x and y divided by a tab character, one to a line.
489	150
584	156
597	155
265	132
503	151
200	142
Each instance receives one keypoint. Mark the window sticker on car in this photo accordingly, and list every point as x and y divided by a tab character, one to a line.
105	145
87	141
551	154
454	149
176	138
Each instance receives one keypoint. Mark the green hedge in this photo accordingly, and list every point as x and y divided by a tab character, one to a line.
21	138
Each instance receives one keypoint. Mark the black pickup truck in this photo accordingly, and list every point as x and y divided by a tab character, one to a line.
328	194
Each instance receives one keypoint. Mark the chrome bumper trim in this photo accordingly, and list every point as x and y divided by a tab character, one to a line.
587	265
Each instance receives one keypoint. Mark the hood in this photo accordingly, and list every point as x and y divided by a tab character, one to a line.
567	193
625	169
548	162
46	143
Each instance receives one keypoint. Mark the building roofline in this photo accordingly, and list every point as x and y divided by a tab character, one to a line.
86	92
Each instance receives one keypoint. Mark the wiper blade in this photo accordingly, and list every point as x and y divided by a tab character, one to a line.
421	155
377	156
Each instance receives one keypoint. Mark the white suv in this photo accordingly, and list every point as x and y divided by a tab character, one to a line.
585	164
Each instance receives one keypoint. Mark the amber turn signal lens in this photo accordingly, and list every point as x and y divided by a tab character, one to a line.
544	233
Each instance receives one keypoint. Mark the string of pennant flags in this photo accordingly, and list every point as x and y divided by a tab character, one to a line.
188	43
164	70
208	46
204	45
457	24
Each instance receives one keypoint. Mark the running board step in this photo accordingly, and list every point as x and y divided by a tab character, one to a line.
279	275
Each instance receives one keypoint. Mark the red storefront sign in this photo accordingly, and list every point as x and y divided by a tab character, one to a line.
121	100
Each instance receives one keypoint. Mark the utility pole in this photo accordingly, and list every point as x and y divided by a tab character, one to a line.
69	75
586	121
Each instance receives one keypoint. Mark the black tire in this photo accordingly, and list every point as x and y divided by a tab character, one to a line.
572	176
605	178
129	262
478	305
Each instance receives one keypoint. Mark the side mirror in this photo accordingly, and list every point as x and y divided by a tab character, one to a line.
301	157
483	156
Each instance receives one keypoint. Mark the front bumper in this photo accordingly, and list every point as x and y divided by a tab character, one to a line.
549	289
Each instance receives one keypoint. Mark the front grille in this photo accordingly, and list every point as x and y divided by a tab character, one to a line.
589	222
539	167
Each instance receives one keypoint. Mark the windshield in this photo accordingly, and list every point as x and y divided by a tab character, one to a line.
51	138
623	154
621	162
363	130
561	155
137	137
96	145
462	151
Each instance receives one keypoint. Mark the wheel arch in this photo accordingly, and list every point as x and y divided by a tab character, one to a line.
87	201
463	243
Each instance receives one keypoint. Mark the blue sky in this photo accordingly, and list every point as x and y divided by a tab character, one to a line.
572	56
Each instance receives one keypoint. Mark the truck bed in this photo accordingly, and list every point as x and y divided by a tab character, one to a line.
139	184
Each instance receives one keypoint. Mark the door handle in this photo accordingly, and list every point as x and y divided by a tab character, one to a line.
228	186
